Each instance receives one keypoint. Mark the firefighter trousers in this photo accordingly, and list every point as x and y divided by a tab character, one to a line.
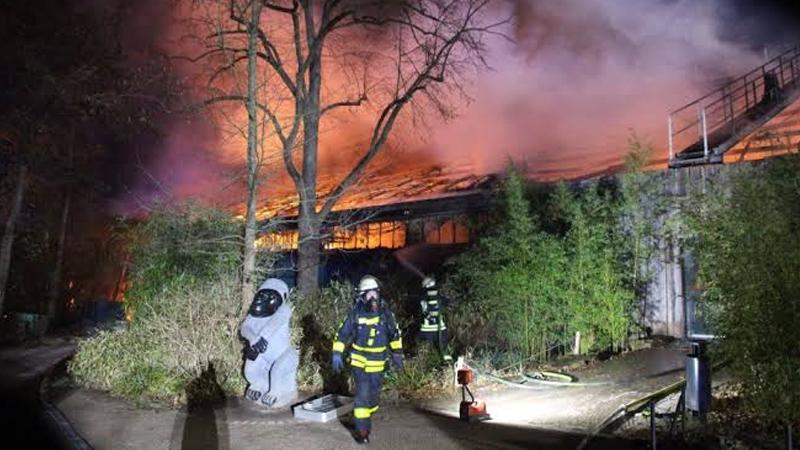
368	391
437	338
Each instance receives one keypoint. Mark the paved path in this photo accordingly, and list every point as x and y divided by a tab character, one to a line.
551	418
580	409
112	424
548	418
27	421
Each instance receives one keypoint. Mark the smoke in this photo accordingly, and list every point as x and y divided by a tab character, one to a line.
582	76
563	98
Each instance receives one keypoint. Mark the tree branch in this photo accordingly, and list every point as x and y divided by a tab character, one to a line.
436	64
343	103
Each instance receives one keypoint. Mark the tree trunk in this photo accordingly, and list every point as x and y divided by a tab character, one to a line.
250	227
8	232
308	254
309	234
55	279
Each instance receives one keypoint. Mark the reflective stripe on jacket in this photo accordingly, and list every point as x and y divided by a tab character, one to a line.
431	305
371	336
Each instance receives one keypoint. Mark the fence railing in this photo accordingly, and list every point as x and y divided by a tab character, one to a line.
702	124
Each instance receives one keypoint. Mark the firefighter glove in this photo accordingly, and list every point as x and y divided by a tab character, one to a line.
397	360
337	362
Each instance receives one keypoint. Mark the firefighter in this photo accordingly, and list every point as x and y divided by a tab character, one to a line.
433	329
371	332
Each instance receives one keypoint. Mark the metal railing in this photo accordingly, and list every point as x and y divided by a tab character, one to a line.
726	111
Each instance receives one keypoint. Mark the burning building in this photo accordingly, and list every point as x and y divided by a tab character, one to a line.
433	208
751	117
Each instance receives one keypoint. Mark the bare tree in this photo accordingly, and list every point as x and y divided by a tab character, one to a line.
253	161
9	232
383	57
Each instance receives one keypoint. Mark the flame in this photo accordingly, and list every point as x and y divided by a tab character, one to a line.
395	181
388	235
374	235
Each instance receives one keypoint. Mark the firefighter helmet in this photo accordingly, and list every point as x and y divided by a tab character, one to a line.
429	283
368	283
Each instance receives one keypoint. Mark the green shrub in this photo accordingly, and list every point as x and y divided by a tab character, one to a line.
505	290
423	376
598	302
315	320
178	243
526	288
195	327
746	237
185	300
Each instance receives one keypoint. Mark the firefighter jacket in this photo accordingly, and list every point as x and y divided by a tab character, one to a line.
432	306
372	337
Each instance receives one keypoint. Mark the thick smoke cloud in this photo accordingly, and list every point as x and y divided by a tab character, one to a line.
582	76
563	98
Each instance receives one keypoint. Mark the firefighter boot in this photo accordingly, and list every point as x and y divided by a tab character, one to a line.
362	436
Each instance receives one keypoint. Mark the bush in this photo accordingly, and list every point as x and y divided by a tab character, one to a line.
502	294
526	290
188	329
185	299
598	302
315	321
423	376
180	242
746	237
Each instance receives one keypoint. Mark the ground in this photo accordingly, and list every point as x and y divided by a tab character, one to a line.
546	418
580	409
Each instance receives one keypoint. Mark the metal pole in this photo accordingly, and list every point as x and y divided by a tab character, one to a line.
669	127
705	133
746	96
653	442
789	444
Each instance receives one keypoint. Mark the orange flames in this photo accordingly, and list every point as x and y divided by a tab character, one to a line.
388	235
373	235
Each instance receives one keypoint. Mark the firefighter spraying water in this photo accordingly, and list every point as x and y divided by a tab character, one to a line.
433	328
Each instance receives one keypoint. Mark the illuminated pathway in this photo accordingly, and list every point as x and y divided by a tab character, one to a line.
556	418
580	409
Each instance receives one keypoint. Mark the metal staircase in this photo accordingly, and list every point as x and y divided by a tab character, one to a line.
702	131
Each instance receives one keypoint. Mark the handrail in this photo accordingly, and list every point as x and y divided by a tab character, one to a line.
795	49
728	109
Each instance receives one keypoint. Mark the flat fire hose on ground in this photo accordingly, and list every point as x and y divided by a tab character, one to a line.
539	381
541	378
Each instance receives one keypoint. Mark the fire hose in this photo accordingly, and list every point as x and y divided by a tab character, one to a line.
541	377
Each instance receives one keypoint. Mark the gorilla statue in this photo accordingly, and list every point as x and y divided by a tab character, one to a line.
270	366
